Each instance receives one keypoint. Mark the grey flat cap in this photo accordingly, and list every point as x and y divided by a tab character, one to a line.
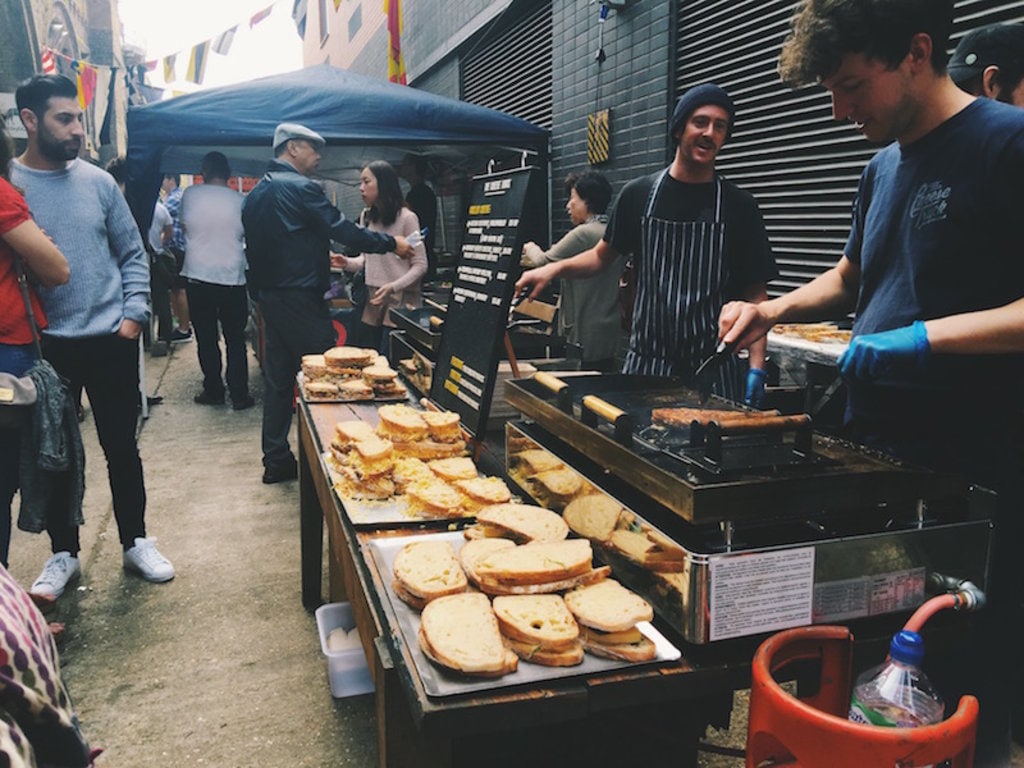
286	131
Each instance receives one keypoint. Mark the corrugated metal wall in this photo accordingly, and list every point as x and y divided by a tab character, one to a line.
802	165
510	68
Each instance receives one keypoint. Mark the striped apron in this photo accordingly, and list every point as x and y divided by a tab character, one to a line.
680	282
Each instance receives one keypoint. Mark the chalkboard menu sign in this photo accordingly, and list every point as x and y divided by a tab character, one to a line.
503	214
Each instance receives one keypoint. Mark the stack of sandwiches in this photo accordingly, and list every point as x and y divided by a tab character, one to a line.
338	374
520	523
367	471
540	567
546	477
346	435
423	435
460	632
608	613
539	629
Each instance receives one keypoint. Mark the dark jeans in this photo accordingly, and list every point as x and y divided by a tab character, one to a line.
16	359
108	368
296	323
159	287
228	305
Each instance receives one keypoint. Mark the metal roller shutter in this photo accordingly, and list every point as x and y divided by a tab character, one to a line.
800	164
510	69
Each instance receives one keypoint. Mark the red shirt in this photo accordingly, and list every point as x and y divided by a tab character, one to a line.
14	326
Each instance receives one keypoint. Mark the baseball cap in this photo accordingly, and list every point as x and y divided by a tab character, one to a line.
992	45
286	131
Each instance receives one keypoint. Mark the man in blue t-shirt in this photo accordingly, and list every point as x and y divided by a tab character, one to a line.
933	268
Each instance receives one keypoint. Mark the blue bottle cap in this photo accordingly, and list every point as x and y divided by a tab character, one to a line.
907	647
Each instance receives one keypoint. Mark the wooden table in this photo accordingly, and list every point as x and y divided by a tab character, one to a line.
621	719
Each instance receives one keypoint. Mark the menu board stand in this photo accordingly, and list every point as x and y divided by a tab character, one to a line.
506	209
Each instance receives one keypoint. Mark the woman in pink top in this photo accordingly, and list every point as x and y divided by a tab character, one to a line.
391	281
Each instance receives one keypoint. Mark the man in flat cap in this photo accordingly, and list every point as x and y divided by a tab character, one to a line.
989	62
696	241
289	225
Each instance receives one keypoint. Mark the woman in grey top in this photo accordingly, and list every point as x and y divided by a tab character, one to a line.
589	314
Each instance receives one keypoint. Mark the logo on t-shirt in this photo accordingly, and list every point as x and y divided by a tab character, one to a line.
930	204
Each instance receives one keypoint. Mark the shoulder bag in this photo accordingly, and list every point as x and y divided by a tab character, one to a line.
18	393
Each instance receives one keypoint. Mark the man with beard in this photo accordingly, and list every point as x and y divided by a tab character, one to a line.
94	320
697	240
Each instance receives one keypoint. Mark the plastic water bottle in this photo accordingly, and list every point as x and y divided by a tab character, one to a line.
897	693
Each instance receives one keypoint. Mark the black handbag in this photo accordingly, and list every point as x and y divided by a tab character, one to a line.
18	393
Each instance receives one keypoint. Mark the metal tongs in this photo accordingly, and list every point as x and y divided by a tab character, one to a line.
706	375
522	296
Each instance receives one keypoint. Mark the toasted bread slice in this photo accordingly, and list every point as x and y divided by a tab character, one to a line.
401	423
339	358
472	551
371	457
443	426
372	487
457	468
480	492
313	367
608	606
407	597
643	551
346	433
644	650
429	569
354	390
433	499
429	450
535	460
535	654
492	587
594	516
379	374
664	542
320	390
523	522
541	620
461	633
409	471
539	562
555	488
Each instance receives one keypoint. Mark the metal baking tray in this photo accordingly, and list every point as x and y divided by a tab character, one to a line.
438	681
398	397
418	324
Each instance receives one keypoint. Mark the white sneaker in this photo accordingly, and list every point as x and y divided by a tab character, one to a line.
146	560
58	571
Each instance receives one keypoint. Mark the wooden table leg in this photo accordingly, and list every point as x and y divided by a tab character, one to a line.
311	524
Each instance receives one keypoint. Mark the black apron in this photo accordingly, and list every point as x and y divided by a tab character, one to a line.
681	277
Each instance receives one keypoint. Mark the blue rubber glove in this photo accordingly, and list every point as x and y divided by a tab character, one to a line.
875	356
754	395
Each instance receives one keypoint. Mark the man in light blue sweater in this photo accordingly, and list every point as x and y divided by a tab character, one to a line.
95	318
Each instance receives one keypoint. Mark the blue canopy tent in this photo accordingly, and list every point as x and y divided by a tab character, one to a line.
362	119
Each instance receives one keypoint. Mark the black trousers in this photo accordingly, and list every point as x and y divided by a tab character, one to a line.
107	367
217	309
296	323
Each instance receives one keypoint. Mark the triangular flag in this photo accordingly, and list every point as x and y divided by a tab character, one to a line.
337	4
222	43
260	16
169	75
197	63
396	66
151	65
49	63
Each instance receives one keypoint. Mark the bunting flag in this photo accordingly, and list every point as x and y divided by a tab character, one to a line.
337	4
86	83
222	43
151	65
257	18
197	63
169	76
49	63
396	66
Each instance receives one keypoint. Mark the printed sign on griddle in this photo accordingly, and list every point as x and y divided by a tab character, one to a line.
499	221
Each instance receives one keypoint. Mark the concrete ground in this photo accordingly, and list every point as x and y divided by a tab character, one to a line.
222	666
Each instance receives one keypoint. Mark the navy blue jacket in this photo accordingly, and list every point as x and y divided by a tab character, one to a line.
289	224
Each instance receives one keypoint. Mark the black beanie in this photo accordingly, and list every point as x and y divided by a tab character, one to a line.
698	96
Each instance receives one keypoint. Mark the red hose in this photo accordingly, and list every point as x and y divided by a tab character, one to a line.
929	609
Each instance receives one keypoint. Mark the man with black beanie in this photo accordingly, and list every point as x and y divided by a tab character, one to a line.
696	241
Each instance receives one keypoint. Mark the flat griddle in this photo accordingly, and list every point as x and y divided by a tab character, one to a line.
791	473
